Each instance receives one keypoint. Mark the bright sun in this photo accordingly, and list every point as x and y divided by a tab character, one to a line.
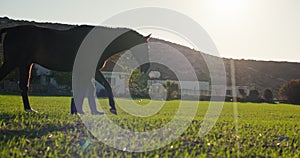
226	6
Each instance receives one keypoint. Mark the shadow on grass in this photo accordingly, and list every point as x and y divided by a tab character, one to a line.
35	131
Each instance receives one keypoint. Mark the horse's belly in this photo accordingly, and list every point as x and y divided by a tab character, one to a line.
55	62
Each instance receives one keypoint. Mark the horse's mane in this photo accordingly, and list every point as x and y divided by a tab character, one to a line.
121	29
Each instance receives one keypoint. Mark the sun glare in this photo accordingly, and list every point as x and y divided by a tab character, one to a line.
226	7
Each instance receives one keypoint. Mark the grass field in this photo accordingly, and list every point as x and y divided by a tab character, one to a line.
264	130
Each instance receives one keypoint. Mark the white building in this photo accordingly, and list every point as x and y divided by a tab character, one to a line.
194	88
43	73
117	81
186	88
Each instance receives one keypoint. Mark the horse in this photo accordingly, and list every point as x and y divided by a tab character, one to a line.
25	45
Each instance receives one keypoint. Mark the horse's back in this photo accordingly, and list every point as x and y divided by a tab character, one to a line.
16	39
24	37
54	49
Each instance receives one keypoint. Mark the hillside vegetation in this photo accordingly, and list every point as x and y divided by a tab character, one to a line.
255	74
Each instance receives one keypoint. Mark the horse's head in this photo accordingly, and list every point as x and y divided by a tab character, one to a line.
136	43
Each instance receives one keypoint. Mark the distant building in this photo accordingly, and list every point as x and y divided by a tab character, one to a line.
186	88
217	90
194	88
240	91
44	73
156	89
117	82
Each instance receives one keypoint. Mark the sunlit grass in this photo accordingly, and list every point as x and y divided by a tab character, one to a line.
264	130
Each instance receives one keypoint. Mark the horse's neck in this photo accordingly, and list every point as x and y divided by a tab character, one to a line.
110	41
79	30
115	44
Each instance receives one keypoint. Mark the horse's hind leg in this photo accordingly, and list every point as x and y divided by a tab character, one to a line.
100	78
25	72
5	69
91	94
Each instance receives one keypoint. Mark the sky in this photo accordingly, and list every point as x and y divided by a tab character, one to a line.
241	29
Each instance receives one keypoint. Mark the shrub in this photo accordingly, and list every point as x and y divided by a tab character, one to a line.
62	78
254	96
172	89
268	96
291	91
138	85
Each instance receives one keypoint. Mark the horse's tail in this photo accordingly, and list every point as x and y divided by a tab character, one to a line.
2	31
2	34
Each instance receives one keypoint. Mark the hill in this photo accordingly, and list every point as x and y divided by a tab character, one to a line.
255	74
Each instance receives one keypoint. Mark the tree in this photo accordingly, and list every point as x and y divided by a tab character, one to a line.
62	78
268	96
243	93
172	89
291	91
253	96
138	84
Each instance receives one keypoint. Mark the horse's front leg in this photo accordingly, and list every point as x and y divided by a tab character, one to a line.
91	94
100	78
76	104
25	72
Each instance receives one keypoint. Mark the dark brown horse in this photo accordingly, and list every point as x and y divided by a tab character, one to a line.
56	50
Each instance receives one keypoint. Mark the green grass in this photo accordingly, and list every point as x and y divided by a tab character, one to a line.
55	133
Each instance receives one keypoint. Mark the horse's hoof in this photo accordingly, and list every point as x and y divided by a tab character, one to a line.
77	113
97	113
31	110
114	111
